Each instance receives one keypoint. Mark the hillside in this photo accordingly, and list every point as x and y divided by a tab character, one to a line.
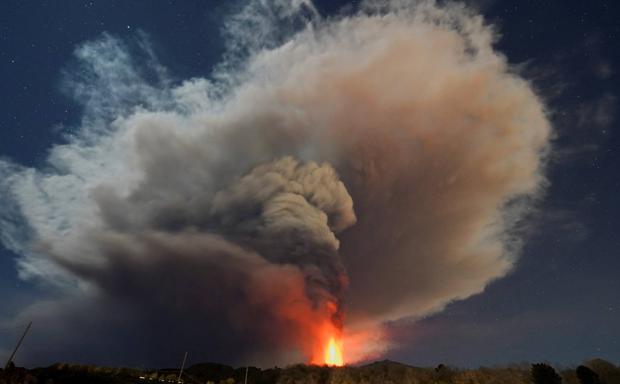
381	372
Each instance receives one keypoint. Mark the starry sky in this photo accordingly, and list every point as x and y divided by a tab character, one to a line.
562	301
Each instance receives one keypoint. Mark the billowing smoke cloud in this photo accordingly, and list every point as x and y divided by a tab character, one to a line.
355	171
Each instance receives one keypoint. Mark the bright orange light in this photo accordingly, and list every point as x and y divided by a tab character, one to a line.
333	353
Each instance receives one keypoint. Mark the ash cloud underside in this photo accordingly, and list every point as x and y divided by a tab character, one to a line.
362	169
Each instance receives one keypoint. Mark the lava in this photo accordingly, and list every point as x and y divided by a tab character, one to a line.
328	348
333	353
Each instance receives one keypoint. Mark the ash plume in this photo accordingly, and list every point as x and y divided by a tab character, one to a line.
349	172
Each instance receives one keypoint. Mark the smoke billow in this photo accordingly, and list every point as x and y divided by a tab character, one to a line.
350	171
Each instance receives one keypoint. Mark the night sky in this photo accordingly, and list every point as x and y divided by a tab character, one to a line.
561	303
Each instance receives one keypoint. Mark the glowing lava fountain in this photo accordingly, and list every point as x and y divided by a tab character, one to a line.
333	353
328	338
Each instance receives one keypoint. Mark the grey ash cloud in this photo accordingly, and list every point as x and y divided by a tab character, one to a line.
362	169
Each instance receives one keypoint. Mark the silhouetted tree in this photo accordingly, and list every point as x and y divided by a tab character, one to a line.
544	374
587	376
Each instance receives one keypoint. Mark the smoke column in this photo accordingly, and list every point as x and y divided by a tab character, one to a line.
328	176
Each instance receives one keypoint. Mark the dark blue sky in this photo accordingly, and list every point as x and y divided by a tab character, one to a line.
562	301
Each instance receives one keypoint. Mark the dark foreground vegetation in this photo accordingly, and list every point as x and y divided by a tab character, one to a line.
385	372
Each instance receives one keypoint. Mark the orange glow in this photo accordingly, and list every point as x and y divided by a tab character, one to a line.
333	353
327	348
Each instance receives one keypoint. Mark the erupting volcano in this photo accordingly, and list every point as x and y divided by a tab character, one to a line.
373	168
